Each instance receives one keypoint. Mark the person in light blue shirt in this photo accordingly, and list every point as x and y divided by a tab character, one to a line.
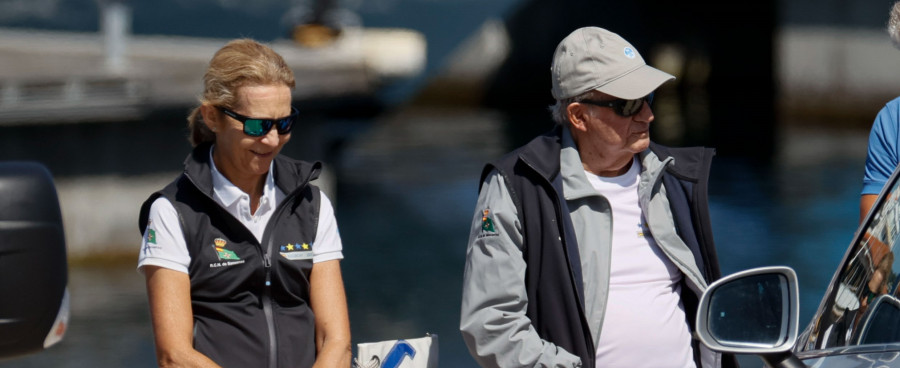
882	156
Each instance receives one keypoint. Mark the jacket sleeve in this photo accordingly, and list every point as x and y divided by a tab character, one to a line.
492	320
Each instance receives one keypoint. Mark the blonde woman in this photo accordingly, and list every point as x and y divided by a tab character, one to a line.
240	252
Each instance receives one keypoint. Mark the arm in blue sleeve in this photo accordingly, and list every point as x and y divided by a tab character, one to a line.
882	156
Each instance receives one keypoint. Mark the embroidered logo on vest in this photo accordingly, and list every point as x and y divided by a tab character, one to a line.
222	253
228	257
487	224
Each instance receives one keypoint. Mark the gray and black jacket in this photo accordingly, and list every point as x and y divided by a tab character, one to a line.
250	299
533	294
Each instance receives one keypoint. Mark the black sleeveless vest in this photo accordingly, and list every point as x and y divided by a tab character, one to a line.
553	277
250	300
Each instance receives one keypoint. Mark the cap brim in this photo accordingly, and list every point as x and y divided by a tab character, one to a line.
636	83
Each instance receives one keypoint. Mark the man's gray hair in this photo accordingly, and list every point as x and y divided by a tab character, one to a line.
894	24
558	110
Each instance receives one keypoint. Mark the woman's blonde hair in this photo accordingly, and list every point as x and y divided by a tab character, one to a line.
239	63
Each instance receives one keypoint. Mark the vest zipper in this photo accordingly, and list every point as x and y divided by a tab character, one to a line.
564	241
267	263
267	310
267	290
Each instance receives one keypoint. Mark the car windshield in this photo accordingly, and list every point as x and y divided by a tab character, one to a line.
862	306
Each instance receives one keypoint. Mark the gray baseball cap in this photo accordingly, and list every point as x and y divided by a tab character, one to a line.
593	58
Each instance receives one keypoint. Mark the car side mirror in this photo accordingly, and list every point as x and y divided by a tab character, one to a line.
752	312
34	299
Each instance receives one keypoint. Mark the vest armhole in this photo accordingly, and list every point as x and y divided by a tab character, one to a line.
315	199
168	193
513	193
184	228
317	206
144	215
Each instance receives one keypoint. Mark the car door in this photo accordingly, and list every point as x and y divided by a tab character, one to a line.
860	311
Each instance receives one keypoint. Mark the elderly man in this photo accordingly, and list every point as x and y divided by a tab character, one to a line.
591	245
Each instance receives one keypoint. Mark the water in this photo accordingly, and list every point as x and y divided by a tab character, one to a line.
803	217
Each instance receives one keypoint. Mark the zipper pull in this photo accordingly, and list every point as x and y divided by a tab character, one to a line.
268	264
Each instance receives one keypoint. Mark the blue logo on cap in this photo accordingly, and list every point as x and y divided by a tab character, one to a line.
629	52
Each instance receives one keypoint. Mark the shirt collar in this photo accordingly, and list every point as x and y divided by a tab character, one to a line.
227	192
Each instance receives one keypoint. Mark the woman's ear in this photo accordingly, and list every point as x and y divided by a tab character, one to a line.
577	114
210	117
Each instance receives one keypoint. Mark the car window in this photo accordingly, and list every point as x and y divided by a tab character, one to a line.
862	306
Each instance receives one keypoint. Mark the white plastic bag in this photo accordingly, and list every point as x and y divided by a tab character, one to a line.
410	353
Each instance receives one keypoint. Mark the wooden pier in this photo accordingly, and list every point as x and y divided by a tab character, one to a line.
54	77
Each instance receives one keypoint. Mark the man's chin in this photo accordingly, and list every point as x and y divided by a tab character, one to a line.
640	145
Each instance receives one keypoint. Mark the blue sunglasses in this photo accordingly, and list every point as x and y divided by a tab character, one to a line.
256	127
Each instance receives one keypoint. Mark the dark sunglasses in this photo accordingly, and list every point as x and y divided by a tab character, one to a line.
623	108
256	127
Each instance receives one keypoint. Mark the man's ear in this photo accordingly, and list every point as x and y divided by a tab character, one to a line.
210	117
577	114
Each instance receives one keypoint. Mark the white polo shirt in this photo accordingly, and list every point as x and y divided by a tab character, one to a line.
170	249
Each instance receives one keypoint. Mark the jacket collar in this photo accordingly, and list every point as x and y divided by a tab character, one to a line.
688	163
289	174
228	192
575	183
555	154
197	168
542	154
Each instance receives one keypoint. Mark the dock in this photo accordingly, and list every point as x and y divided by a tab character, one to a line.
57	77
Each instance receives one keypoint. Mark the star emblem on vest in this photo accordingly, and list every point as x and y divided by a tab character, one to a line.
296	251
222	253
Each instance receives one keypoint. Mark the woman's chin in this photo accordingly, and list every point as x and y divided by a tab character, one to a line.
259	167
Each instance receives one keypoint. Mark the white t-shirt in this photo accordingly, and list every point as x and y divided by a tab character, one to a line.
169	249
644	324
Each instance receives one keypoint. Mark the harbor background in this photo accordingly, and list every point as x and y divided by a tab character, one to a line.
404	159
